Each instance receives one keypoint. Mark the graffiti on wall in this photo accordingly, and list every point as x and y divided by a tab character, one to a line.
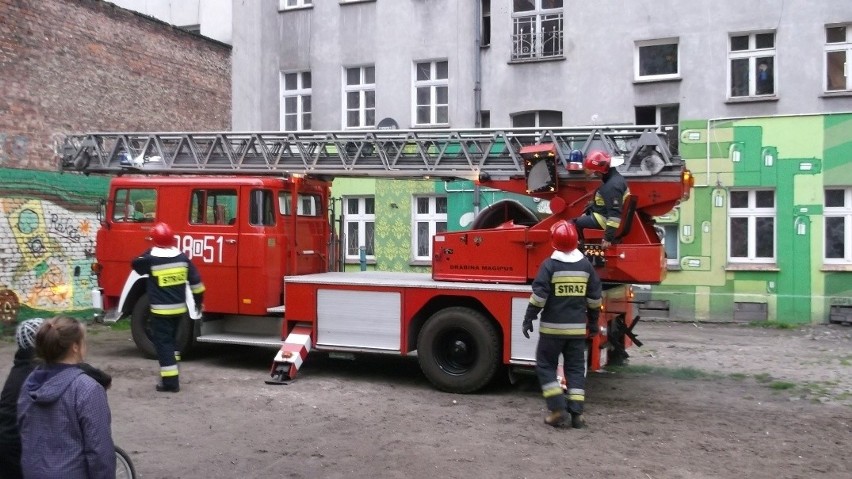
47	254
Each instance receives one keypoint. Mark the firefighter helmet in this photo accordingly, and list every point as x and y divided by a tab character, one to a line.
162	236
26	333
597	161
563	236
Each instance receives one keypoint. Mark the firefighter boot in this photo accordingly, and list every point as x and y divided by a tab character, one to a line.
577	421
555	418
171	387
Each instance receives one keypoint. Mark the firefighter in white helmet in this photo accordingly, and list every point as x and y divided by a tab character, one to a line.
567	293
169	271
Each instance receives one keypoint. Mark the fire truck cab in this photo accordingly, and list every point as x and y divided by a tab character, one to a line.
243	233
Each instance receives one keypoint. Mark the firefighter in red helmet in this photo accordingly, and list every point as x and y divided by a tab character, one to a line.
567	293
168	271
604	213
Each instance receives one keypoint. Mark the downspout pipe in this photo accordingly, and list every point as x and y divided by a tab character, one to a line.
477	62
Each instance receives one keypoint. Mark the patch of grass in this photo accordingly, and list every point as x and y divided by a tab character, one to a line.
763	378
781	385
121	325
738	376
774	325
685	373
846	361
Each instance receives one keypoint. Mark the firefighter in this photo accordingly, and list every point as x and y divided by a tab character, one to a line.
168	270
567	292
604	213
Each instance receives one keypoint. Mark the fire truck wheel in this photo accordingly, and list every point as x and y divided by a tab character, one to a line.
140	329
458	350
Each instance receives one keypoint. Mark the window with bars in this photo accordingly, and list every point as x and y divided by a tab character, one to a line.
296	101
837	213
360	225
431	93
751	65
838	52
537	29
359	90
428	219
751	226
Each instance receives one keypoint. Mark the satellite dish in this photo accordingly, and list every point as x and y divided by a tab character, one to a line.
387	124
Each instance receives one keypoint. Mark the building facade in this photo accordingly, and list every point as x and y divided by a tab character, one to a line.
757	96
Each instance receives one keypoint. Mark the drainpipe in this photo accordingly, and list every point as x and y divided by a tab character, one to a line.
477	61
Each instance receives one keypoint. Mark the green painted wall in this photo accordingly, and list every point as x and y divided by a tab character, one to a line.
796	156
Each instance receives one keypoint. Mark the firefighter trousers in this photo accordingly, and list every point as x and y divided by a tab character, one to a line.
574	367
586	222
163	332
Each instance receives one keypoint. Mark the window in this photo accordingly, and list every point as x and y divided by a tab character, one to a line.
671	241
430	218
838	225
213	207
536	29
288	4
296	101
306	204
431	93
752	65
359	90
838	51
485	33
136	205
360	227
533	119
751	226
656	60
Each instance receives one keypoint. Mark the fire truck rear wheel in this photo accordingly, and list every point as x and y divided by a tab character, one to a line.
458	350
140	329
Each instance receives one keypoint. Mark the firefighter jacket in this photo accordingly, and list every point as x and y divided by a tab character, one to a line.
609	200
567	292
168	272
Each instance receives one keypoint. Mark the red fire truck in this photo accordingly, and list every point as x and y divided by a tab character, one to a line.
252	211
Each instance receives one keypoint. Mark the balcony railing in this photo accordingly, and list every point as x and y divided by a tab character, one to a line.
537	37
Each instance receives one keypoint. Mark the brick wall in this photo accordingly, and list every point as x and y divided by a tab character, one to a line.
80	66
86	65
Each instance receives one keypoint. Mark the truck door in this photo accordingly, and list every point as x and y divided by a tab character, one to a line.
262	248
306	230
210	239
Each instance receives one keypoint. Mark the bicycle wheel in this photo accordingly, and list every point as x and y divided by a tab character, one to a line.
123	465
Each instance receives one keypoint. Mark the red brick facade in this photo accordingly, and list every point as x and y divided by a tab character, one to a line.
87	65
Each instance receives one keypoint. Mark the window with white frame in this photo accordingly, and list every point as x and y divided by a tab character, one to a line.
656	59
431	93
359	96
537	29
295	101
429	218
288	4
751	65
837	213
360	225
751	226
838	52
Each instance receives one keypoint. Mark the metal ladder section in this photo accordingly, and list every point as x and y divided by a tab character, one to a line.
375	153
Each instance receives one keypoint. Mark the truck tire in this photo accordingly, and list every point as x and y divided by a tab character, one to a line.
140	329
458	350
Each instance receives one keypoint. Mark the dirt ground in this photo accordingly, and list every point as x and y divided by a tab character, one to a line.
697	401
